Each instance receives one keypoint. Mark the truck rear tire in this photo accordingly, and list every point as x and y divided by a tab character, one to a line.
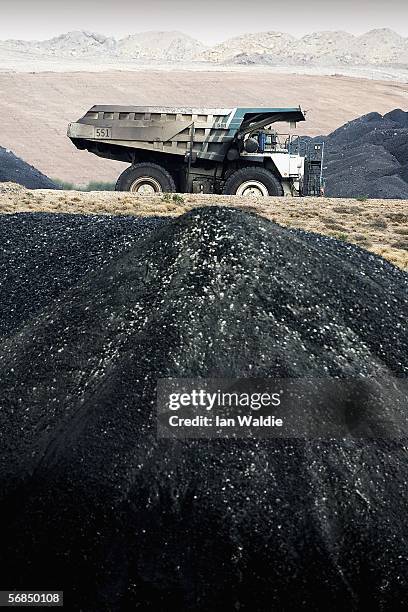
253	182
145	179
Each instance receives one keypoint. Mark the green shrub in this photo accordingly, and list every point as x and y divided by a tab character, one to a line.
100	186
92	186
178	199
340	236
64	185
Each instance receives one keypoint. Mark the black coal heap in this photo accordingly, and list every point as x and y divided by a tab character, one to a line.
94	504
15	170
368	157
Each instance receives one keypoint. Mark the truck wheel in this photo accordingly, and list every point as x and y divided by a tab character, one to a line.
253	182
145	179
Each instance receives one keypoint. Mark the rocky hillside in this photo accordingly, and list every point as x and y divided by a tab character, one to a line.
250	45
377	47
163	46
74	44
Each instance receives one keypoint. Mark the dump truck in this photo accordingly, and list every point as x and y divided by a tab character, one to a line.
233	151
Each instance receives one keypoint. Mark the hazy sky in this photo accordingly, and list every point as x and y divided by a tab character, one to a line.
208	20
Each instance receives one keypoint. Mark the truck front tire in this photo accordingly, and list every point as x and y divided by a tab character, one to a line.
253	182
145	179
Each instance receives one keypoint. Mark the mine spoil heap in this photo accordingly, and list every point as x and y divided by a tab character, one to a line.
93	503
368	157
15	170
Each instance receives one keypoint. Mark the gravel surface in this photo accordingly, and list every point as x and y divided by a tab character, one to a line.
93	503
13	169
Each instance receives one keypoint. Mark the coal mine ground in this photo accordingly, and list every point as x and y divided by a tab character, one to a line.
101	295
379	226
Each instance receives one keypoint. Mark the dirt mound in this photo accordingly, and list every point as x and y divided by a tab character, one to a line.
368	157
15	170
120	520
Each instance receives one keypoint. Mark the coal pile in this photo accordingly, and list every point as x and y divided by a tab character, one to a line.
94	504
368	157
43	255
15	170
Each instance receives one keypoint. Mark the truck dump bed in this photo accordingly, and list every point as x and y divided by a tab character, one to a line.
208	133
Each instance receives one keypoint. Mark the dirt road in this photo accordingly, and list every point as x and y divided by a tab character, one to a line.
36	108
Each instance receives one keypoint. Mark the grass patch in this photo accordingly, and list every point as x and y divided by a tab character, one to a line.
361	238
92	186
172	197
333	225
397	217
346	210
396	256
378	223
400	244
340	236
